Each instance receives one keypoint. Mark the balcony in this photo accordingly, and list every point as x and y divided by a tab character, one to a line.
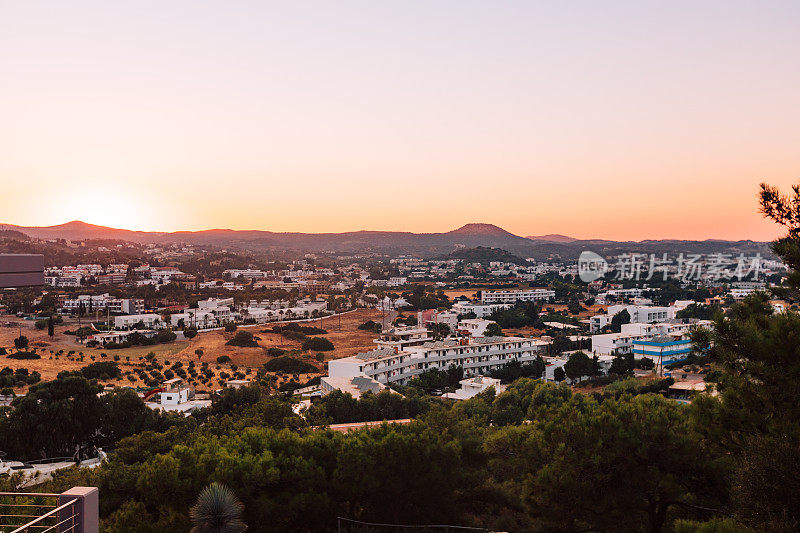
73	511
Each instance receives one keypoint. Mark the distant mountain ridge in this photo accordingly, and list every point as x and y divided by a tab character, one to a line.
471	235
552	237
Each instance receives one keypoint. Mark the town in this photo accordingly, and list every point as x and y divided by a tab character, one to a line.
399	267
181	332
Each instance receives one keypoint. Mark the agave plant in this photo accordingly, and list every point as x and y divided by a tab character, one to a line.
217	510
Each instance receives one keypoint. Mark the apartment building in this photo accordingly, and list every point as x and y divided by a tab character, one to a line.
638	313
112	278
399	338
474	327
104	303
476	356
623	342
480	310
663	349
246	273
514	296
64	281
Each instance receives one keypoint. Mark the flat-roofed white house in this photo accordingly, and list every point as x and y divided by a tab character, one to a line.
355	386
473	386
150	321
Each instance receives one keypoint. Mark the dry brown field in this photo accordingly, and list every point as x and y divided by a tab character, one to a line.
342	330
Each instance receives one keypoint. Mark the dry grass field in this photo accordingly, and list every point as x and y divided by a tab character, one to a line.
342	330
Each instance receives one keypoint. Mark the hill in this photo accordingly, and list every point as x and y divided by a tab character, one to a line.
485	255
552	237
469	236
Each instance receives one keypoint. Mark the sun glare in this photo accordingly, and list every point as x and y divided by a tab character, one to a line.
112	208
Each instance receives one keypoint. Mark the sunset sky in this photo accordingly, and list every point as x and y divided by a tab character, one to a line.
621	120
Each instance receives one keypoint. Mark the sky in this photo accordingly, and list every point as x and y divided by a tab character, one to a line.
619	120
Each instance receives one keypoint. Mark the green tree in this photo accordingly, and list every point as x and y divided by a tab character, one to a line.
702	342
21	342
578	365
623	317
493	330
587	466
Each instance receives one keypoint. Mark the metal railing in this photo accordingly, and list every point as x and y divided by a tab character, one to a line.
35	512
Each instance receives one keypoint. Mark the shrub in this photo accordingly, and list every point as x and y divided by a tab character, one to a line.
288	333
230	327
370	325
305	330
243	339
223	359
275	352
318	344
21	342
40	324
24	355
289	365
165	335
190	333
101	370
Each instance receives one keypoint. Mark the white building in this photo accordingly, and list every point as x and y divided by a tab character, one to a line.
480	310
514	296
246	273
623	342
150	321
740	293
175	395
474	327
638	313
473	386
118	337
431	318
204	318
103	302
399	338
476	356
355	385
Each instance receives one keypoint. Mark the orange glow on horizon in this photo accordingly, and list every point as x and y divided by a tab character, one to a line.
626	123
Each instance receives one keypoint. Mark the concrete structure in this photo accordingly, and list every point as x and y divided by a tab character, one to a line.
150	320
175	395
663	349
480	310
431	317
476	356
237	383
474	327
683	391
473	386
355	385
399	338
638	313
119	337
21	270
622	343
103	302
514	296
210	313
